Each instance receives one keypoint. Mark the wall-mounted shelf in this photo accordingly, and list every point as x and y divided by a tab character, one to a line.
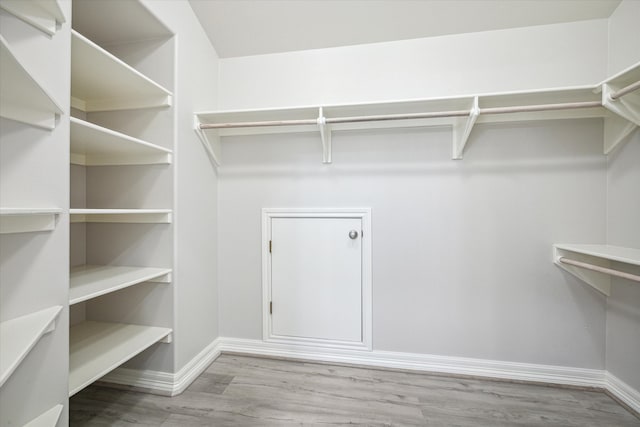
459	113
148	216
20	335
102	82
93	145
96	348
45	15
23	98
47	419
24	220
91	281
592	263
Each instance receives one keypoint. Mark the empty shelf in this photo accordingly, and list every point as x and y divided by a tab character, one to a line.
149	216
97	348
20	335
592	263
102	82
91	281
43	14
23	99
93	145
47	419
23	220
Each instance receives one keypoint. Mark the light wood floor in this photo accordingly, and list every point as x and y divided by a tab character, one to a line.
249	391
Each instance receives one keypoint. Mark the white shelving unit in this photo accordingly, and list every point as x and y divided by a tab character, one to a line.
93	145
91	281
24	220
102	82
96	348
592	263
147	216
20	335
48	419
622	115
44	15
122	108
23	98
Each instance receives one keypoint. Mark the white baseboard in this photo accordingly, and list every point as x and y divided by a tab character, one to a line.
164	383
423	362
173	384
623	391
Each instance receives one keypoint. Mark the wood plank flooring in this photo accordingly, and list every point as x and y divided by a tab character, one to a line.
250	391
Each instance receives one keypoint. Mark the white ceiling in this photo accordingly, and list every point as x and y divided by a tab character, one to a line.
253	27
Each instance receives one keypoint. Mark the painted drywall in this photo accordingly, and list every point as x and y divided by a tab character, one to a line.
34	275
494	61
623	210
624	36
461	249
623	229
195	185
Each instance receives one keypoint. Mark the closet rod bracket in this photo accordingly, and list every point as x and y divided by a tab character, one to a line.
325	136
462	129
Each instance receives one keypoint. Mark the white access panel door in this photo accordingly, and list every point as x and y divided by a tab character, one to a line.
316	279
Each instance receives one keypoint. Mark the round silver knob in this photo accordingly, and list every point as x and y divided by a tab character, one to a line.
353	234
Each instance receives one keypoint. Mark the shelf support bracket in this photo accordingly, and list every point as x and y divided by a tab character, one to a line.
616	131
600	281
325	135
205	141
627	117
462	129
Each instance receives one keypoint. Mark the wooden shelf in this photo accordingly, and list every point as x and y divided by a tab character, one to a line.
96	348
93	145
24	220
148	216
45	15
47	419
20	335
91	281
102	82
596	256
24	99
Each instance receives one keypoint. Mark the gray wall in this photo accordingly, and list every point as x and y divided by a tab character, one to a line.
461	249
195	220
623	229
623	210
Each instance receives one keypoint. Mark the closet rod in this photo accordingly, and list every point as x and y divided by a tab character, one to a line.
592	267
259	124
542	107
625	90
430	115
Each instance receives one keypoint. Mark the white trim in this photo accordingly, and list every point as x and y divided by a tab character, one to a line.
364	214
165	383
173	384
622	391
422	362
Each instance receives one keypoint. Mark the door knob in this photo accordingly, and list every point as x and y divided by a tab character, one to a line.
353	234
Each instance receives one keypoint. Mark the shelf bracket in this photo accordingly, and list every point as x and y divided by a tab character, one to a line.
205	141
627	117
325	135
600	281
616	131
462	129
